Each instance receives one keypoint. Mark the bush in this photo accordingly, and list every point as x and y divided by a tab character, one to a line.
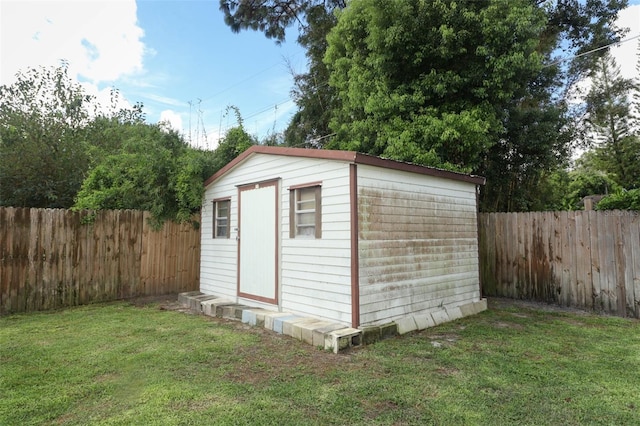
623	200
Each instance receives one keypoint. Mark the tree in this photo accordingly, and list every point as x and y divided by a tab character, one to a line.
313	95
534	145
60	148
234	143
404	99
313	19
515	167
43	153
272	17
155	170
610	121
586	178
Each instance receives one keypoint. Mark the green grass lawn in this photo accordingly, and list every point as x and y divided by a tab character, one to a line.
122	364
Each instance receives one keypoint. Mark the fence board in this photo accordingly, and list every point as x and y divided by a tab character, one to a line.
634	232
626	273
596	270
609	265
584	259
519	266
55	258
620	266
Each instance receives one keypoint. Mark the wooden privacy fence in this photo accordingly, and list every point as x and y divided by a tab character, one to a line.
56	258
585	259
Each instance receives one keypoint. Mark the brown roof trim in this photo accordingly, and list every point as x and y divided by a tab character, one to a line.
349	156
416	168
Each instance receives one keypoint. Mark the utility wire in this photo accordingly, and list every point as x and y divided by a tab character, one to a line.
264	110
617	43
252	76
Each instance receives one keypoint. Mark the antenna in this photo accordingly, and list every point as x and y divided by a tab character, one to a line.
201	123
275	118
190	140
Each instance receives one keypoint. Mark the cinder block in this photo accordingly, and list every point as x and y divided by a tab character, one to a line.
423	321
288	327
260	318
233	311
468	309
454	313
219	308
269	319
194	301
388	330
209	306
201	299
370	335
481	305
342	339
439	316
278	323
218	304
239	310
306	329
318	335
253	316
249	317
406	325
183	298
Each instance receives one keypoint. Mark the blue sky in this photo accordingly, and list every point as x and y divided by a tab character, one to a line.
198	59
176	57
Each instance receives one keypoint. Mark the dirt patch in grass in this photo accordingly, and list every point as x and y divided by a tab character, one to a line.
166	301
447	371
279	357
503	303
501	324
274	357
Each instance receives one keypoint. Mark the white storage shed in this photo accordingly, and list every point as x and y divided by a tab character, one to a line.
340	235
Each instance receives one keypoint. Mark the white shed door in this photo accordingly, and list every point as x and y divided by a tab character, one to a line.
258	243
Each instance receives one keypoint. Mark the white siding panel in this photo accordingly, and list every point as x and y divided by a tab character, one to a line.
307	265
218	265
418	247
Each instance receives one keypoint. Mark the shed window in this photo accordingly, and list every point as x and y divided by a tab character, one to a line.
305	211
221	218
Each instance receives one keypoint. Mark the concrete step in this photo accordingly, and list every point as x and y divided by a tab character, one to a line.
320	333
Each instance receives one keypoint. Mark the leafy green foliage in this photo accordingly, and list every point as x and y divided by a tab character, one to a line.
193	167
154	170
563	189
272	17
610	118
60	148
315	98
43	151
234	143
621	200
431	95
528	132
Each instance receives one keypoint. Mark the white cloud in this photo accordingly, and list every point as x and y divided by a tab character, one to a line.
108	100
173	118
100	39
626	53
165	100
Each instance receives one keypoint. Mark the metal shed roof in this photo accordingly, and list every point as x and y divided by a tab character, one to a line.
347	156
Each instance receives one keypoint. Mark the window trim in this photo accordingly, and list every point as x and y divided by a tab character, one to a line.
216	203
293	212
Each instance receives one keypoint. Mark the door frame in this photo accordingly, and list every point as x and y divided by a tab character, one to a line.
258	185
